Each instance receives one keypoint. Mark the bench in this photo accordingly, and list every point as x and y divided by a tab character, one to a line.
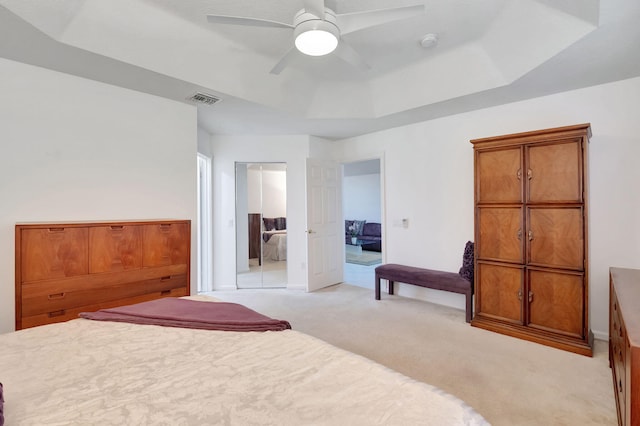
437	280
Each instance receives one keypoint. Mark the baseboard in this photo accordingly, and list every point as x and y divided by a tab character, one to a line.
600	335
224	287
296	287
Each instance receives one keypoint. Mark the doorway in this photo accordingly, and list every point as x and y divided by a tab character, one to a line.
261	225
362	213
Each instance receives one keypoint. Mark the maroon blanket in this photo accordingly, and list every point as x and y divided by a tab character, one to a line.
172	312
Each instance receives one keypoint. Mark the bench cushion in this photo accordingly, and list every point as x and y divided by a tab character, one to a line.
439	280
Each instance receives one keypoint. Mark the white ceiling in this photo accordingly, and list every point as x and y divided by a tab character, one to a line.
488	52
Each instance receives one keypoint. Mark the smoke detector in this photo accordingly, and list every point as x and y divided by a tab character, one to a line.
429	40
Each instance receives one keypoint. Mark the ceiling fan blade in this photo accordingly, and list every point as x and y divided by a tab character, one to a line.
284	61
349	54
240	20
351	22
315	7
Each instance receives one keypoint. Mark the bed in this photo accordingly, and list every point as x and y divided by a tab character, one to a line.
274	246
274	239
89	372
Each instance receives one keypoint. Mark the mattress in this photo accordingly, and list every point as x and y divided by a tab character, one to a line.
85	372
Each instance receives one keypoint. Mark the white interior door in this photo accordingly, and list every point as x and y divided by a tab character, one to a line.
325	235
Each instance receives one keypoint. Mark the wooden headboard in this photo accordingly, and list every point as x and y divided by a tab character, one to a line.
63	269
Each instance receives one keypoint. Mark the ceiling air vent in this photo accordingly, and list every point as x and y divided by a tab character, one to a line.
203	98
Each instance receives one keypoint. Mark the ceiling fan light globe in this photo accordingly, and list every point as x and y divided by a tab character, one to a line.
316	42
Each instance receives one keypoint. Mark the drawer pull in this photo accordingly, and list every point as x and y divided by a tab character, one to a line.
167	278
117	227
165	292
56	296
56	229
56	313
620	385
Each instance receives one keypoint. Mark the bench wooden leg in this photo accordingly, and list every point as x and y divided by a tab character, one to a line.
390	287
469	306
377	287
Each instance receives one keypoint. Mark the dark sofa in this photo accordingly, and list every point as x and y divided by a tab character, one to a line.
371	232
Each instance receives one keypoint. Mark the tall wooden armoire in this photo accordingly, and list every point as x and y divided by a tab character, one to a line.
531	262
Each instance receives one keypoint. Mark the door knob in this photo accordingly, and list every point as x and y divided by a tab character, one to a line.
310	231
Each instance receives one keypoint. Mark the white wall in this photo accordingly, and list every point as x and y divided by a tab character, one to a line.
429	179
242	218
254	190
204	142
74	149
290	149
361	197
274	193
267	192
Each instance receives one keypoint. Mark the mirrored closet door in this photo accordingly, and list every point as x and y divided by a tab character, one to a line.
261	225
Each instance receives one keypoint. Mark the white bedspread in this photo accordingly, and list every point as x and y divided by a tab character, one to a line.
100	373
275	248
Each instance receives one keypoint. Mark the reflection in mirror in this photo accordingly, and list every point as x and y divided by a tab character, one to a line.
261	225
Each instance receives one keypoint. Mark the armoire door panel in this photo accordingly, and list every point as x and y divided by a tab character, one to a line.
499	176
115	248
556	301
554	172
165	244
501	231
53	252
555	237
499	292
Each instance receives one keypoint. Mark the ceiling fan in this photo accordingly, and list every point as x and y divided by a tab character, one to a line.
318	30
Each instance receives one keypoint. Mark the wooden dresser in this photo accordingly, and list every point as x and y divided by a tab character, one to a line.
63	269
624	342
531	236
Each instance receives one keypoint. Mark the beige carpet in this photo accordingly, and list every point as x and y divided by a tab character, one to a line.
509	381
366	258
